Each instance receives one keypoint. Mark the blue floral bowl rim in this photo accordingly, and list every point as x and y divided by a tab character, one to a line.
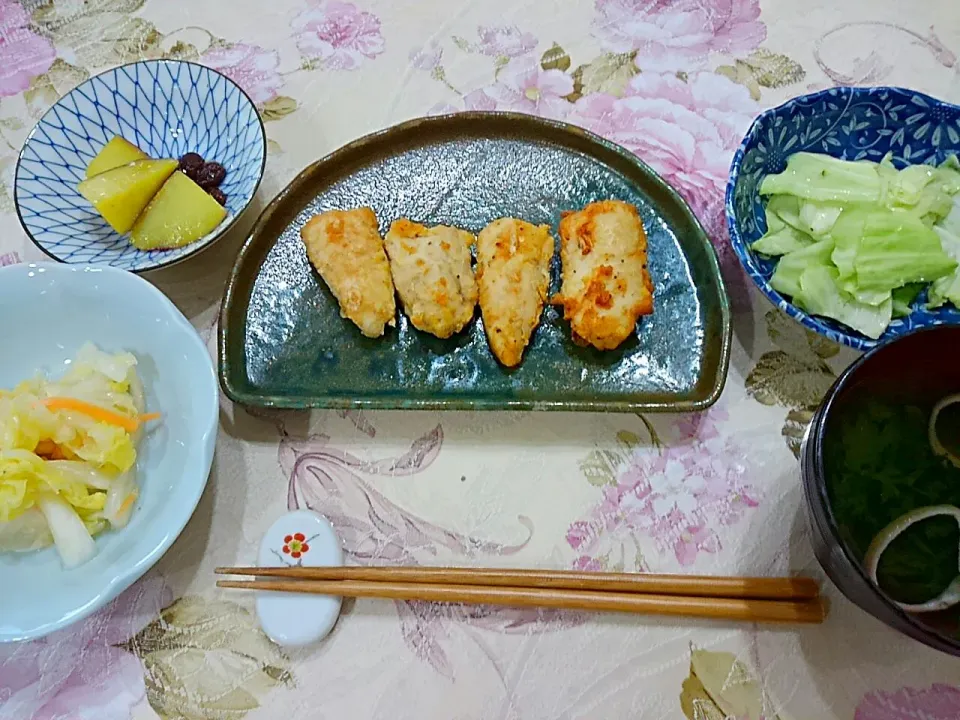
220	232
847	337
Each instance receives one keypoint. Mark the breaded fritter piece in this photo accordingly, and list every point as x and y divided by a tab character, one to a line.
431	269
513	271
346	249
606	286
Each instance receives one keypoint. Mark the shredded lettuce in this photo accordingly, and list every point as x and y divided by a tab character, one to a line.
65	474
859	241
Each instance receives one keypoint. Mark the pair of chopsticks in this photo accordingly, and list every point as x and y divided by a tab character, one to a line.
785	600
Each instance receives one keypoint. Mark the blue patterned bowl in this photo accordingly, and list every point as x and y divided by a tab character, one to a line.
165	107
847	123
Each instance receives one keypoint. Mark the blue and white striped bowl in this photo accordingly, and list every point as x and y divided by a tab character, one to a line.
851	124
165	107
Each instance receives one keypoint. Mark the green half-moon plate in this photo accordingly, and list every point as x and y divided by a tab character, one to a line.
284	344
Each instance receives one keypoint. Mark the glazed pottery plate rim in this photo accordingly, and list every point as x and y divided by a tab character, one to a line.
133	568
822	497
834	331
228	334
201	245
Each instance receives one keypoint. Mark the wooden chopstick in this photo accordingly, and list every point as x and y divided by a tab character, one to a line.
718	608
799	588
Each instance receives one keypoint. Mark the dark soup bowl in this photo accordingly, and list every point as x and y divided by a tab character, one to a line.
867	461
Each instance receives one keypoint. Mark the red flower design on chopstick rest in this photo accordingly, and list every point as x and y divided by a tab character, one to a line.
295	545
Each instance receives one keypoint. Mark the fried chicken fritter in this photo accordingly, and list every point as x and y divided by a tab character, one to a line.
431	269
346	249
513	271
606	286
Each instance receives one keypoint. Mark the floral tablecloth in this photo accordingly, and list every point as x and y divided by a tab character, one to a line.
678	82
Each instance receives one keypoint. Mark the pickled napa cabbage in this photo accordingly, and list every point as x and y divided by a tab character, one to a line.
68	450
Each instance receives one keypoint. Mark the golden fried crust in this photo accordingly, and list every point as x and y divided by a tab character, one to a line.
513	271
606	285
431	269
346	249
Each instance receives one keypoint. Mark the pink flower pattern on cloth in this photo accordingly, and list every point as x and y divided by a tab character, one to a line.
504	41
83	666
678	496
685	127
523	86
678	34
23	54
685	130
426	58
338	34
249	66
938	702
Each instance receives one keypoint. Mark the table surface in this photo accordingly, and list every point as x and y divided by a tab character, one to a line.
720	491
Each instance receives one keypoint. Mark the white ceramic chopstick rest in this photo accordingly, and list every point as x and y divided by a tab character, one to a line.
299	538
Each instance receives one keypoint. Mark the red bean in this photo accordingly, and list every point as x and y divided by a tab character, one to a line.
217	194
211	175
191	164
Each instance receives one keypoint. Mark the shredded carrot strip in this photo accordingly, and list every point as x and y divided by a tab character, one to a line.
126	503
95	411
98	413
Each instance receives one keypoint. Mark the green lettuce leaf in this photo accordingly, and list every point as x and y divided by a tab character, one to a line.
846	234
826	179
924	189
786	278
936	199
783	210
818	218
908	185
782	241
898	248
821	295
951	223
859	241
867	297
903	298
947	288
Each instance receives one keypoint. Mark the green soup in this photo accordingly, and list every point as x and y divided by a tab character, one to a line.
879	466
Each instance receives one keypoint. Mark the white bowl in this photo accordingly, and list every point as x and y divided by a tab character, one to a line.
49	311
